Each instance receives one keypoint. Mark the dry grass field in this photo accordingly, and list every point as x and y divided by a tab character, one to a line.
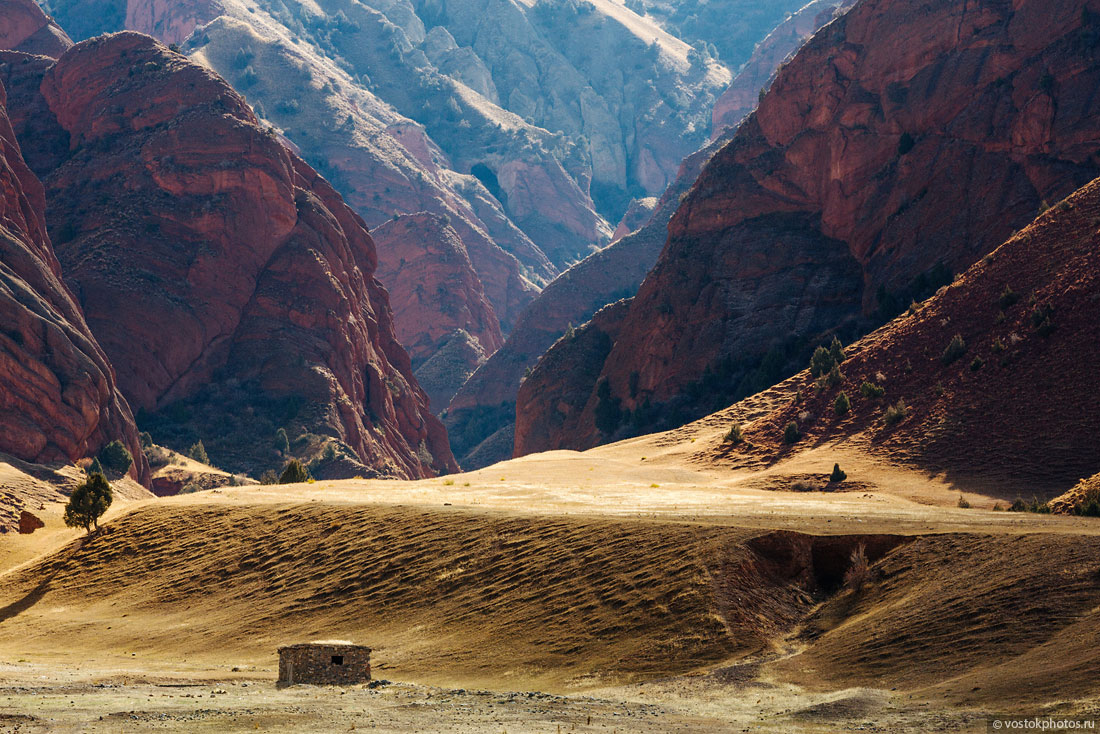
597	591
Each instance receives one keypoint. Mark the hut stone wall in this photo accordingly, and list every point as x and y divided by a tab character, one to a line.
324	664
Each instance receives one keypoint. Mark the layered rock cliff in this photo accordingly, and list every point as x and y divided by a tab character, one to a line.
540	179
229	283
994	372
59	400
881	159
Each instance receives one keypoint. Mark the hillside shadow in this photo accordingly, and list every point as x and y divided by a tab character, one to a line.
35	595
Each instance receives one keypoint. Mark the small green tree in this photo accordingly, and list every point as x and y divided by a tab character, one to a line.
834	378
838	474
282	442
95	467
842	404
116	458
88	503
836	351
198	453
293	473
821	362
735	436
791	433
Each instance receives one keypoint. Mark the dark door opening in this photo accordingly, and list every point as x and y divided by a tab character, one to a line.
337	659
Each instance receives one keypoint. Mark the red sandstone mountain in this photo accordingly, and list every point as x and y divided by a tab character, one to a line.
230	285
1014	409
434	292
58	396
24	27
905	139
743	93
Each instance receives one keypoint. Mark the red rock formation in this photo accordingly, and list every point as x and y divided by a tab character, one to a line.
1017	410
172	21
879	152
434	289
222	274
434	292
58	396
28	523
24	27
756	75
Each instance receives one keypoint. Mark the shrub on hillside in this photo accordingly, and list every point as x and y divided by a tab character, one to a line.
871	391
859	569
955	349
294	473
838	474
896	413
842	404
1008	298
95	467
791	433
832	379
821	362
735	436
198	452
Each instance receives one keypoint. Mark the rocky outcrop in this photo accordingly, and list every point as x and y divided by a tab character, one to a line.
879	159
480	419
756	75
229	282
726	29
29	522
435	293
994	372
24	27
59	400
637	214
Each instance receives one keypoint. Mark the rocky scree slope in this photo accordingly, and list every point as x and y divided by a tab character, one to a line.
228	282
881	160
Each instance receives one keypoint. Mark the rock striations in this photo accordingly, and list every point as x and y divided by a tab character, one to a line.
228	282
59	400
881	159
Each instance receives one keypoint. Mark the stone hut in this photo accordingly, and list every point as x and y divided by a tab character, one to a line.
328	662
